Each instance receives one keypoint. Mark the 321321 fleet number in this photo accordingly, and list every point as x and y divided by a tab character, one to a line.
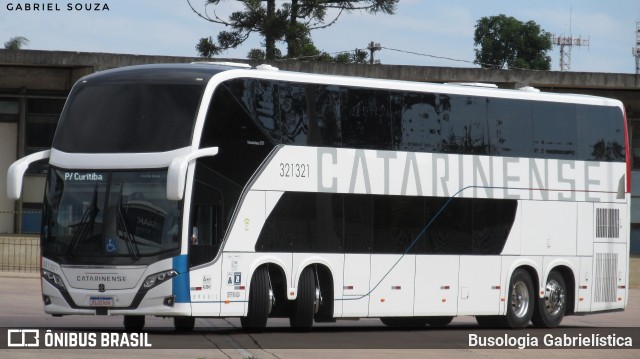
296	170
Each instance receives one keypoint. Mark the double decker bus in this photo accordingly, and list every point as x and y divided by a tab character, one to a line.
216	190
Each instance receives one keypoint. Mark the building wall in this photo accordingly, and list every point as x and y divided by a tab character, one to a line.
8	146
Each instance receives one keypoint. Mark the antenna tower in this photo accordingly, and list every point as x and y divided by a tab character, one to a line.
566	43
636	50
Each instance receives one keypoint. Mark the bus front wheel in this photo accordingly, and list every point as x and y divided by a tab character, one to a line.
184	324
550	309
133	323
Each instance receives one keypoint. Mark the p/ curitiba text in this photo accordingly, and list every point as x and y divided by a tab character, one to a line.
549	341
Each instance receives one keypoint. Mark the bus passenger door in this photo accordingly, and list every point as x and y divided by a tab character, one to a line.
206	230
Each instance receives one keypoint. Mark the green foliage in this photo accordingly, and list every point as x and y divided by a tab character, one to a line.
16	43
287	22
506	42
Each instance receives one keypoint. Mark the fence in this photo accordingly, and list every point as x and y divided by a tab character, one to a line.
19	254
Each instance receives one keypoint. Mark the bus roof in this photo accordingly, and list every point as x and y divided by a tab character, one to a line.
225	71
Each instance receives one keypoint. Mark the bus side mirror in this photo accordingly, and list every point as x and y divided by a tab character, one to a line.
177	173
17	170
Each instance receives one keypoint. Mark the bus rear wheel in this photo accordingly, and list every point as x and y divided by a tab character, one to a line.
133	323
184	324
550	309
260	301
307	302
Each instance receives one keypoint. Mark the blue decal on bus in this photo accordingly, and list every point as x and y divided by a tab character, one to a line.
180	283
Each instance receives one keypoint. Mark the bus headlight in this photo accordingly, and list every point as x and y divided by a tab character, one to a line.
161	277
54	279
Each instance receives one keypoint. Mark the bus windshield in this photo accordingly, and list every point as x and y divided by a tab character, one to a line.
111	217
128	117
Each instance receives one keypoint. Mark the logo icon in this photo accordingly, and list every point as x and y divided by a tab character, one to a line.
111	245
101	287
23	338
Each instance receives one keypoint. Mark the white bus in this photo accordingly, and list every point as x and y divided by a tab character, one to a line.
212	190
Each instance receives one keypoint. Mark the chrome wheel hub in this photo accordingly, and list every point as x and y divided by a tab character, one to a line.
520	299
555	298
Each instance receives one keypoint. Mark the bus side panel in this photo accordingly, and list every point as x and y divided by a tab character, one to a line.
248	223
357	270
550	228
392	281
480	285
585	284
585	229
610	276
436	285
205	290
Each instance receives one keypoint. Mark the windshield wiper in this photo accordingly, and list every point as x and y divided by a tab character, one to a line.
85	226
121	223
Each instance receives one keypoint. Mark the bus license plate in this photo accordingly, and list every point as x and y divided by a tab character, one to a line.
101	301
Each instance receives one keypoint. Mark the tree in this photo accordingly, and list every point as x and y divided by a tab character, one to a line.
16	43
291	22
506	42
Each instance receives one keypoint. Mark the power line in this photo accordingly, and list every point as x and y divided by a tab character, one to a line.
378	48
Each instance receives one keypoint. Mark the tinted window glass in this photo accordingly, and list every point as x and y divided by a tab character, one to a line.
420	125
303	222
358	223
365	123
328	104
512	126
229	126
554	130
397	222
600	133
467	225
128	117
294	118
259	100
464	125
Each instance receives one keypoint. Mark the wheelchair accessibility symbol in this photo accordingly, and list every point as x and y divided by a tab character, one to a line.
111	245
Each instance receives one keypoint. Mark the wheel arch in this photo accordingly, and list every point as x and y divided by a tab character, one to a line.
319	263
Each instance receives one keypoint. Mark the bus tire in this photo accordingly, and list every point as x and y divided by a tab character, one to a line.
404	322
521	300
259	301
550	309
304	306
133	323
439	322
184	324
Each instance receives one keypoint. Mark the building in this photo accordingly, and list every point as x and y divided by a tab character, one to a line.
34	86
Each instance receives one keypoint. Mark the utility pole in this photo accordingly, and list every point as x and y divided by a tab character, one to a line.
373	47
636	50
566	43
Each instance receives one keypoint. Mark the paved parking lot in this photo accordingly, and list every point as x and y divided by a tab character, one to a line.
367	338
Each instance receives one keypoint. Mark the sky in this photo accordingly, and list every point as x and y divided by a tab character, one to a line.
426	27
